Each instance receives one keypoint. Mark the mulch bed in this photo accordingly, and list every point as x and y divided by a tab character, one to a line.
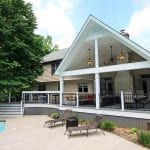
126	133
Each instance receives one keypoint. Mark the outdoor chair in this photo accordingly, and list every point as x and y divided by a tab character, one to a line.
91	126
140	92
61	120
128	99
95	123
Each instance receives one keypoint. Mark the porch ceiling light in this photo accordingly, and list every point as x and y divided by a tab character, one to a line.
89	61
121	55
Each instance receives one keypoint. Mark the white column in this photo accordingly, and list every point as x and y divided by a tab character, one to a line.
21	108
97	88
48	98
96	54
61	90
77	100
122	101
97	77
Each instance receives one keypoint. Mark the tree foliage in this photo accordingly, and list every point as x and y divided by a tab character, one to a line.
48	45
21	50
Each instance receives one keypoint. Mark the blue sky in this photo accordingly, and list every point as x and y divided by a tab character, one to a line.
62	19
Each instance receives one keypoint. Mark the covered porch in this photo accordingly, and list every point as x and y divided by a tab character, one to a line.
115	64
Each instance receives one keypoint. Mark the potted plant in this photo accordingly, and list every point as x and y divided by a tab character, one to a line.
72	121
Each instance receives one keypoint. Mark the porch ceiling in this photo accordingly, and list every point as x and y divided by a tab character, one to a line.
104	43
77	56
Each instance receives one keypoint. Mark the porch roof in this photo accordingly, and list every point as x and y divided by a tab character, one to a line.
94	28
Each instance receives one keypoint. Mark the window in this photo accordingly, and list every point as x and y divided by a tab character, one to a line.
82	87
54	67
42	87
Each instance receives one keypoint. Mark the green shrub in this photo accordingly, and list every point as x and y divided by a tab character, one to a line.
107	125
144	138
55	115
133	130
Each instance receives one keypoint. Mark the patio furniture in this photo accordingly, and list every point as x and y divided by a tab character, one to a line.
91	126
140	92
61	120
76	129
129	101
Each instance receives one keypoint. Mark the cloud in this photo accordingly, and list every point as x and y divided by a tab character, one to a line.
53	19
141	2
139	25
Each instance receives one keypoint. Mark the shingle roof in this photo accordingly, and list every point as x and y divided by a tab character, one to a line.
57	55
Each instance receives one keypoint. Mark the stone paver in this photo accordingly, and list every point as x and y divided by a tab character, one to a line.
28	133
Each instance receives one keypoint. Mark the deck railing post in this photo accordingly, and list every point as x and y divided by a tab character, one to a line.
77	95
47	98
61	90
122	101
21	111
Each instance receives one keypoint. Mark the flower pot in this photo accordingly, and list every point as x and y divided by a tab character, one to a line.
71	123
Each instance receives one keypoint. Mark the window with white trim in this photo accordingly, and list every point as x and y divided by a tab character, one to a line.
54	67
82	87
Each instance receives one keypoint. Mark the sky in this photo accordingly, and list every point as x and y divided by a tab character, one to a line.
63	19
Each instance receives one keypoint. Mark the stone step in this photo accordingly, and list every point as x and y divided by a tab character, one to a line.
10	105
10	109
7	110
10	113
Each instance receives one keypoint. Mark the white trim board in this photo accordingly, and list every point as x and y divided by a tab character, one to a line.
119	113
119	67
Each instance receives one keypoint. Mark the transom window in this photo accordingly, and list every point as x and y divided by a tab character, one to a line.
82	87
54	67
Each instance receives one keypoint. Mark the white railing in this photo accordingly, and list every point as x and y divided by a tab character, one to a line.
40	96
77	99
22	108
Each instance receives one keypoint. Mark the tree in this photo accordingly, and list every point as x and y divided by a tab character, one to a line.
21	50
48	45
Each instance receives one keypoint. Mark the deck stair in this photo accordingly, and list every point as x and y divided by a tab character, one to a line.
10	109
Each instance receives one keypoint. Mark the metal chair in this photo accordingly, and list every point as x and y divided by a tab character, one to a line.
61	120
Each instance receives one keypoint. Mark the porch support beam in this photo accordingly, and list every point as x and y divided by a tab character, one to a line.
113	68
97	77
61	89
97	89
96	54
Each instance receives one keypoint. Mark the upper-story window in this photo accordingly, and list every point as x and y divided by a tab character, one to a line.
42	87
54	67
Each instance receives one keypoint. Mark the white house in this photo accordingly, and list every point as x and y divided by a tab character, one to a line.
103	70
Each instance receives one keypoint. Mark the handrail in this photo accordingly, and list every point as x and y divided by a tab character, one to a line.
22	107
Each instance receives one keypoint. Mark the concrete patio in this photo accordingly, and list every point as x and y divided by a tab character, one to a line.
28	133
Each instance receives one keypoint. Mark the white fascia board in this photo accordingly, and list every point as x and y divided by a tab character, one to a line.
114	68
124	67
64	61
